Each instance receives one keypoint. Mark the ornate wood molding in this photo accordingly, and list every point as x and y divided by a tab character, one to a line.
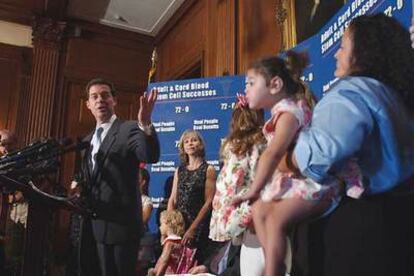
285	18
48	32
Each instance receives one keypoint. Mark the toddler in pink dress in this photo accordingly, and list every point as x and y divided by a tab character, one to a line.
176	257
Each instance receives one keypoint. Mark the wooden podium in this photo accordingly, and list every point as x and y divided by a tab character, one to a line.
41	207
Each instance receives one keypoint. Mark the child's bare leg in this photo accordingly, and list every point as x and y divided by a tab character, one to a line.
260	210
282	216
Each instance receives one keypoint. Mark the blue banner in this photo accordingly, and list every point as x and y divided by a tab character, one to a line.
323	45
204	105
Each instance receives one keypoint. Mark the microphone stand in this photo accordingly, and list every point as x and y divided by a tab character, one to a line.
33	162
33	193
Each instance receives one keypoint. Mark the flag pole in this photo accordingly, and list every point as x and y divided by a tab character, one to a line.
153	69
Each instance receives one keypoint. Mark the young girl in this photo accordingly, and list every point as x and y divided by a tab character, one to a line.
176	258
240	153
288	198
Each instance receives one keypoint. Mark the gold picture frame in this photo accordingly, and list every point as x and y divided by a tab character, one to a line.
286	16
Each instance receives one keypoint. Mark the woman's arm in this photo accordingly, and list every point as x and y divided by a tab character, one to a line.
173	197
341	122
285	131
146	212
210	189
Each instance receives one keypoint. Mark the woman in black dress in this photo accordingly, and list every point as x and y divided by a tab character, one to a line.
193	191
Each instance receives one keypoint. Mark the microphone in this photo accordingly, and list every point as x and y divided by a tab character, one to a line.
28	151
33	143
66	145
37	169
66	141
37	150
31	159
78	146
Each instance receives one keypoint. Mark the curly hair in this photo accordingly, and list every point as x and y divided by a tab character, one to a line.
245	130
201	150
174	221
289	69
382	50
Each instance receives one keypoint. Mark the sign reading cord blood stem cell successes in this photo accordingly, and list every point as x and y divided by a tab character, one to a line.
323	46
204	105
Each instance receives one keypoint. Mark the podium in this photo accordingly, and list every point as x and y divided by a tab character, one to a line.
37	162
31	191
41	207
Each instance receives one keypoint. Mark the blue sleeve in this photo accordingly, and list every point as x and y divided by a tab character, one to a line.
340	123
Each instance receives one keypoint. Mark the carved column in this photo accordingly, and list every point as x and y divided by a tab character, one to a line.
23	104
42	118
47	41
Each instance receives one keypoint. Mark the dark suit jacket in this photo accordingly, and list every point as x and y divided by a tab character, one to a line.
111	189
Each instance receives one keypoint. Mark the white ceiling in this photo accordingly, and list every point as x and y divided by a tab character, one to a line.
142	16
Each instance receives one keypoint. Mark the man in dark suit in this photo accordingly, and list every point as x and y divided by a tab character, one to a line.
110	169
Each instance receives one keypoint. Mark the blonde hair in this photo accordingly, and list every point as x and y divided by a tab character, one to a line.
174	221
201	152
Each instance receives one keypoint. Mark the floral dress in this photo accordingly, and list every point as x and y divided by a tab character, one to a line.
288	185
228	221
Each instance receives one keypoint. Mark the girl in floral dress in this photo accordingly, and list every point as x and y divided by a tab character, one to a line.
240	153
288	198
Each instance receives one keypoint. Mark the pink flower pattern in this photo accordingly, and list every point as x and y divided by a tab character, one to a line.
234	179
286	185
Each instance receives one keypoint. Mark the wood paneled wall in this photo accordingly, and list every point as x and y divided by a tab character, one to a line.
224	35
20	11
15	64
258	33
182	48
220	46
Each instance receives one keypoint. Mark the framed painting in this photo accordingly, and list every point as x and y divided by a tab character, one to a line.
304	18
